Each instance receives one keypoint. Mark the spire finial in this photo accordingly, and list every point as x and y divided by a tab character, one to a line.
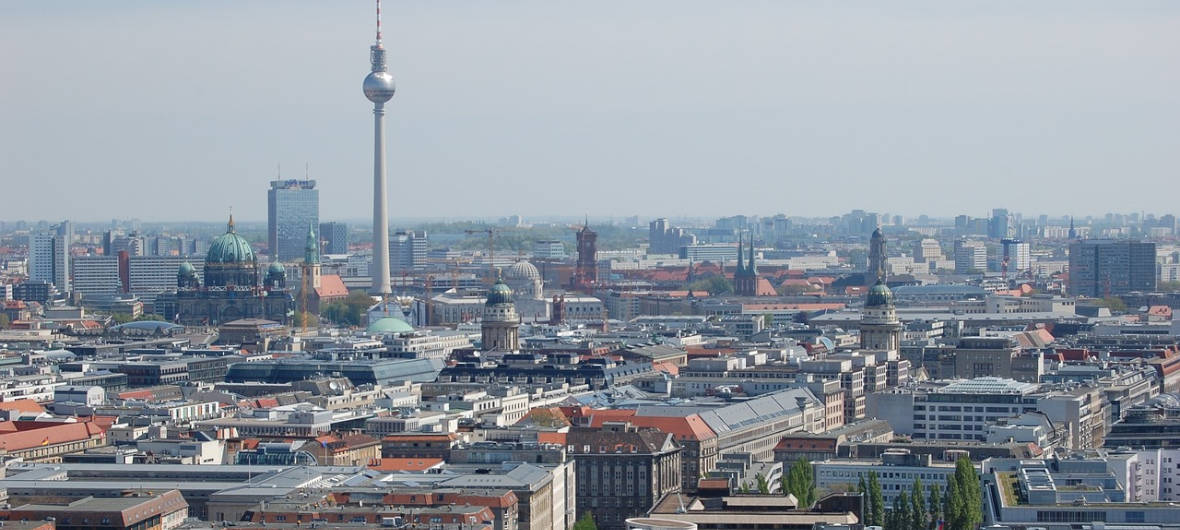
229	227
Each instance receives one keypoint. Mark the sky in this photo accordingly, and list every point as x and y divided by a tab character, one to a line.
184	110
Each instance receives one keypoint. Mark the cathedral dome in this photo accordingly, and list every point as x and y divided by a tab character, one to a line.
879	295
186	270
276	268
230	261
522	270
230	248
500	293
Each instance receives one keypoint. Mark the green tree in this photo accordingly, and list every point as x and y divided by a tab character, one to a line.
763	484
917	506
877	500
350	311
312	320
800	482
934	505
862	487
586	522
714	285
966	511
151	317
953	503
4	321
901	512
122	318
1113	303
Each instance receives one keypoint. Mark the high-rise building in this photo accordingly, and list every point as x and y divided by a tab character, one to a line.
927	249
1102	267
548	249
1017	258
1000	225
291	205
663	238
96	276
407	251
335	237
49	255
970	256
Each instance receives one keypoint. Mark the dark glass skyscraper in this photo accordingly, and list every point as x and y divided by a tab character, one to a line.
335	237
292	206
1102	267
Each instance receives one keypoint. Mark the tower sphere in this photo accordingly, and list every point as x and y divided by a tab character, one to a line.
378	87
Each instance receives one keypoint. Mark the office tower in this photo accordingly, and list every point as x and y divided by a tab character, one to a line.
970	257
291	205
657	237
96	276
407	251
927	249
1017	259
378	88
49	255
1106	267
548	249
335	237
876	270
1000	225
586	272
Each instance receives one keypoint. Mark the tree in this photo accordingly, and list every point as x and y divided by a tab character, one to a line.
312	320
953	504
122	318
586	522
150	317
866	504
901	512
1113	303
4	321
763	484
714	285
877	500
800	482
967	505
917	506
934	505
350	311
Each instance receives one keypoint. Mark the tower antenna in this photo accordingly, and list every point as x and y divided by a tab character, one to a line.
378	23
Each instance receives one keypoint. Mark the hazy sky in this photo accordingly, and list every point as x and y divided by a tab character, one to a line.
180	110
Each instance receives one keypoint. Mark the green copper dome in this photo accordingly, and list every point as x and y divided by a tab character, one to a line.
879	295
186	269
230	248
390	325
500	293
276	268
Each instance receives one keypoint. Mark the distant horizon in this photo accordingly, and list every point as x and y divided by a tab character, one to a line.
679	106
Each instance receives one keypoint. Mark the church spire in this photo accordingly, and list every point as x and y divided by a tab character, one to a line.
753	268
311	251
741	267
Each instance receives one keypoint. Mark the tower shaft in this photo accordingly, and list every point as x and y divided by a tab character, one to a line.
380	208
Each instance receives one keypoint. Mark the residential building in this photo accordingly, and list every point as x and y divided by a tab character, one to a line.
49	255
970	256
622	472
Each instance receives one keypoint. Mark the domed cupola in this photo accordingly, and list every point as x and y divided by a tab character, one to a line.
276	276
879	295
500	293
230	261
186	277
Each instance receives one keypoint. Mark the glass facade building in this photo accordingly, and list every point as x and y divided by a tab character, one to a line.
292	207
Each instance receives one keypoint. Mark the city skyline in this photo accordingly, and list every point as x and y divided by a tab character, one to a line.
493	103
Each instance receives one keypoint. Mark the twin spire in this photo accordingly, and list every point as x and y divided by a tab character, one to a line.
752	268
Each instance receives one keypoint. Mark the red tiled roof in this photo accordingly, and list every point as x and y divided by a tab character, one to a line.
331	287
16	436
22	405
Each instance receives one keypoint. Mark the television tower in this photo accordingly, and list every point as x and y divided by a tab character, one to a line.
378	88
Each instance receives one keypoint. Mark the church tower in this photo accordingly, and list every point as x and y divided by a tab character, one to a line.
745	278
500	327
879	327
311	259
876	270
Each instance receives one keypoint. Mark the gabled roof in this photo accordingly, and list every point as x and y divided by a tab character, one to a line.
331	286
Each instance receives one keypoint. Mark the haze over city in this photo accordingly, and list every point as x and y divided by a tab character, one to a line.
543	108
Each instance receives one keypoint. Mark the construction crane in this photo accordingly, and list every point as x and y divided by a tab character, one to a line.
491	232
